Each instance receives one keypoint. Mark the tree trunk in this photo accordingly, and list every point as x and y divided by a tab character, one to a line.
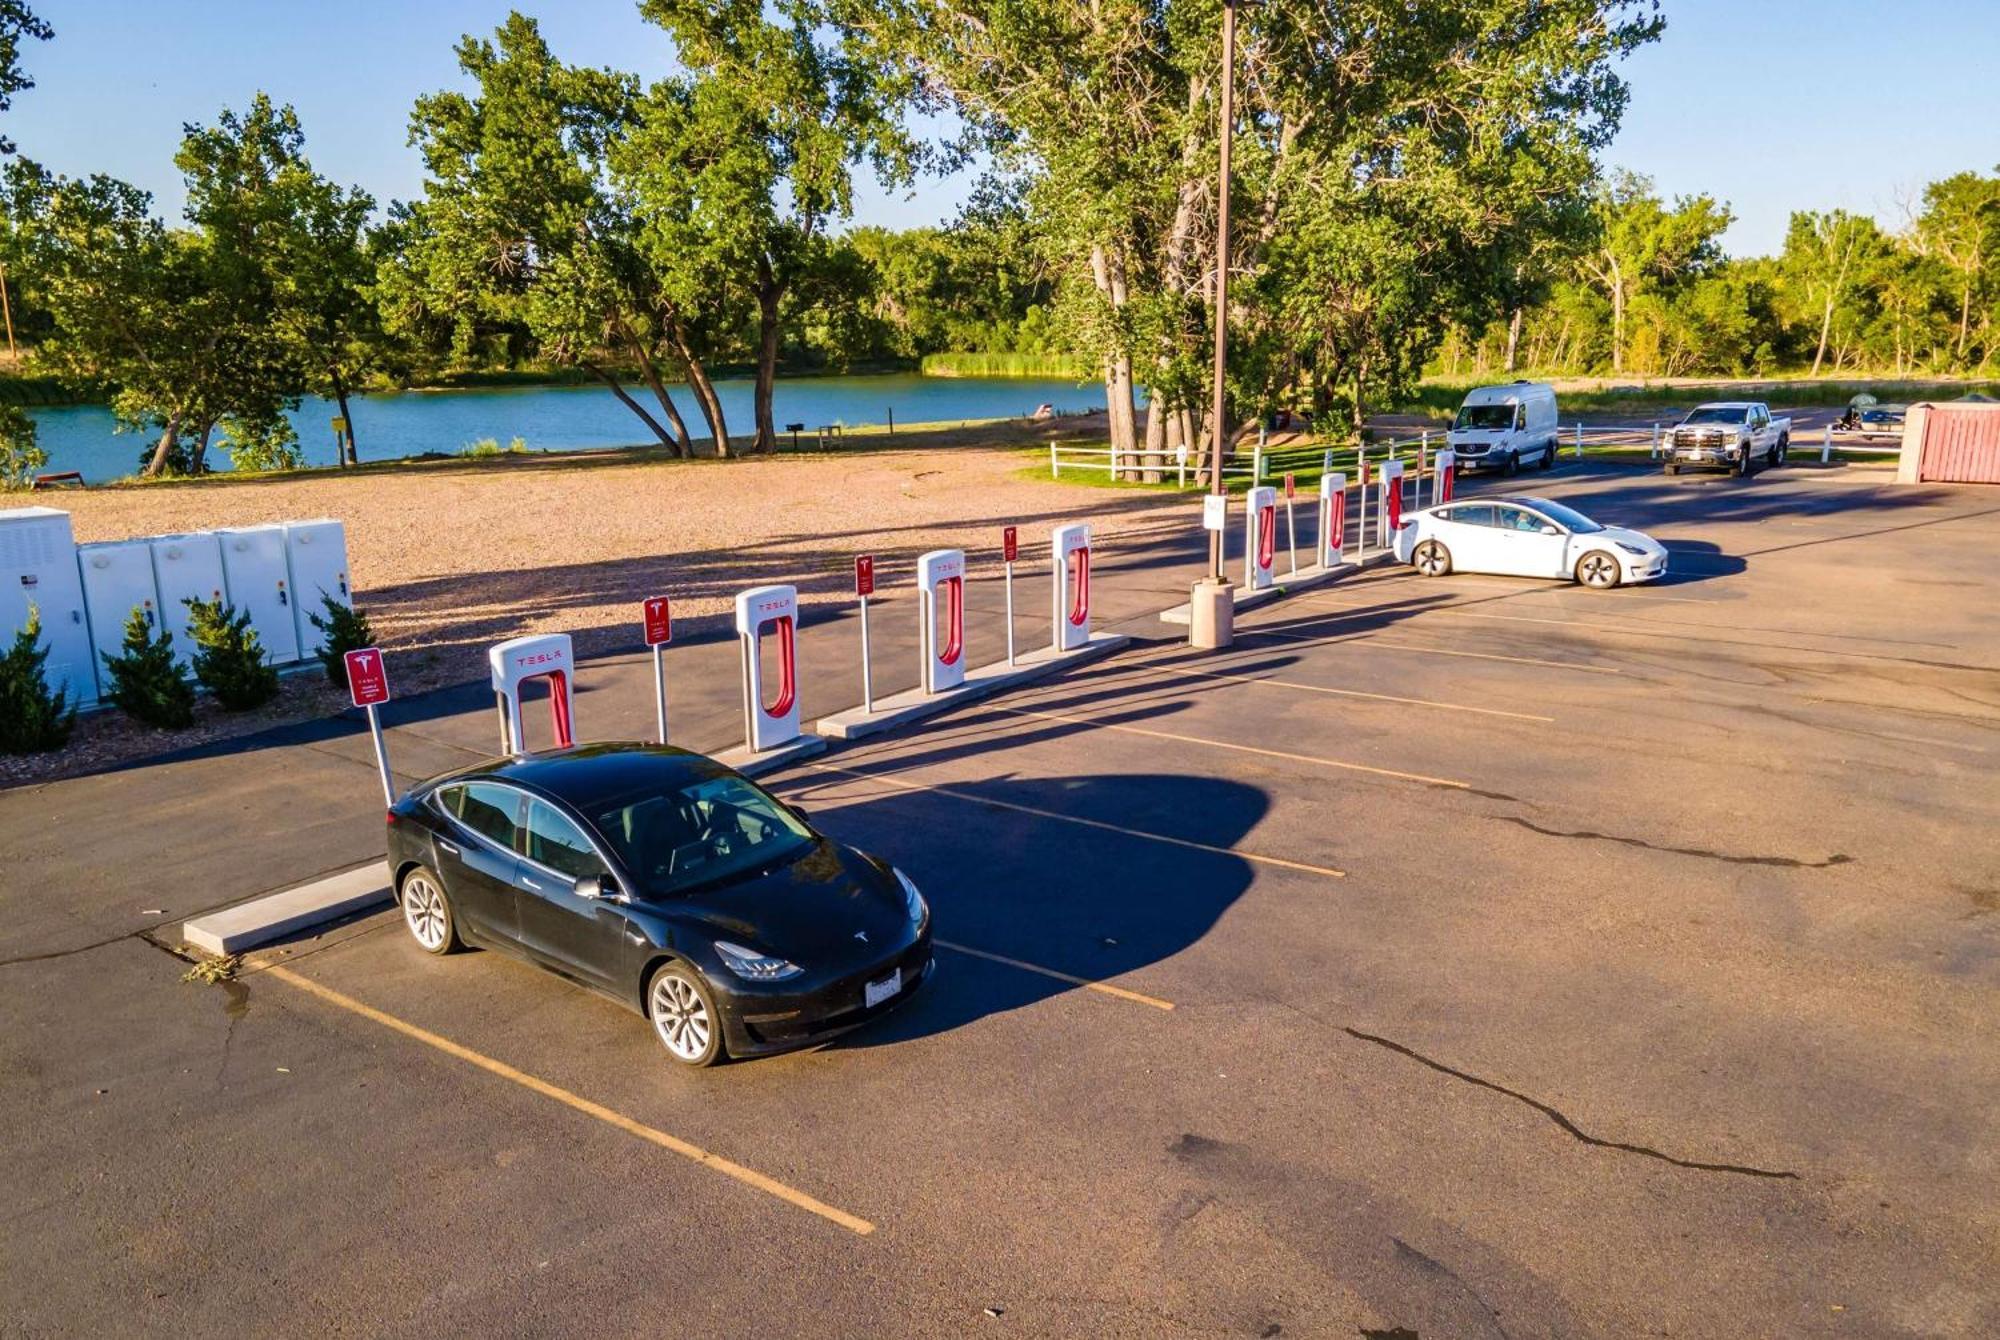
349	453
699	382
1964	321
1618	328
1825	325
768	332
169	434
1110	282
628	402
198	460
1513	339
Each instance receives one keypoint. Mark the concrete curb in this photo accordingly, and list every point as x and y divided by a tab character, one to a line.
1303	580
752	764
276	915
913	705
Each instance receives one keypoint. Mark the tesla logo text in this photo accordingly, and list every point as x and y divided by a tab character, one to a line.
861	936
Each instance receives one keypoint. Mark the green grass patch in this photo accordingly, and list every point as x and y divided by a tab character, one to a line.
968	363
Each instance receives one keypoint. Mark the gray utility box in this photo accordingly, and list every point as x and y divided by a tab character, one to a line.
38	568
317	552
187	567
259	584
117	579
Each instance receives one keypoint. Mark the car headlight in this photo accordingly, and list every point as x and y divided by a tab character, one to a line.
1630	548
753	966
920	911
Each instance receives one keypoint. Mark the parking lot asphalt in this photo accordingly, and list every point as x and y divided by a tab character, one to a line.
1484	957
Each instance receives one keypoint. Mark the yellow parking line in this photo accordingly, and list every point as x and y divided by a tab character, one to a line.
748	1176
1429	651
1358	693
1240	748
1089	982
1080	821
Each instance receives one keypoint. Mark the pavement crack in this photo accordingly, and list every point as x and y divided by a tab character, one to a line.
1569	1127
1782	862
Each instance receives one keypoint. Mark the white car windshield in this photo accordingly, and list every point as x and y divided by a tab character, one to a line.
1717	415
1485	416
1567	517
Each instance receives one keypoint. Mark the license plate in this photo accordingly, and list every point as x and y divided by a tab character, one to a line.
876	992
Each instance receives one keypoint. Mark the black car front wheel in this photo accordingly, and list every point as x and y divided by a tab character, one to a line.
427	912
684	1015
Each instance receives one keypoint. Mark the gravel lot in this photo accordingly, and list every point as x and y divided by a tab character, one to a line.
449	558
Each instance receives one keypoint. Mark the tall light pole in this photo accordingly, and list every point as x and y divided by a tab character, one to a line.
1212	604
1217	410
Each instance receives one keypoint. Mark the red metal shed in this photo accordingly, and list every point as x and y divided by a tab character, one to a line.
1951	442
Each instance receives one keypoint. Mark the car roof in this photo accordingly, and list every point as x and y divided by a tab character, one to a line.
1501	395
586	774
1728	404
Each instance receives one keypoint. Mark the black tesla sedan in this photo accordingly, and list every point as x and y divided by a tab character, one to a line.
669	883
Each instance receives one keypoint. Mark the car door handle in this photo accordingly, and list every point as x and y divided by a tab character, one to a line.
527	883
447	847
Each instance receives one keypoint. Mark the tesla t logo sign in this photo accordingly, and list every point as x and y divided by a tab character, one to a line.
864	575
1010	544
861	936
367	680
659	622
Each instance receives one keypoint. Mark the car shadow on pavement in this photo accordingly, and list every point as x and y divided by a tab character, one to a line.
1009	876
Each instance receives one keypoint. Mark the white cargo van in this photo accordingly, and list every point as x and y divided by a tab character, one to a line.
1504	427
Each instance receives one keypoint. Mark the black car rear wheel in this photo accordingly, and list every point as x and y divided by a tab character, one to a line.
1513	466
427	912
684	1015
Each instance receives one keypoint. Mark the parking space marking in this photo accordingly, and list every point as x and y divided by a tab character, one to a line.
1358	693
1080	821
1090	983
1374	641
1239	748
750	1177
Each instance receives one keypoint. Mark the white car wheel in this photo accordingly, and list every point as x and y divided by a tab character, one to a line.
1431	559
427	913
1597	569
683	1018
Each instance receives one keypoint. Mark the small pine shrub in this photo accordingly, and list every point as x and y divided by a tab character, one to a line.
145	682
32	719
346	629
228	658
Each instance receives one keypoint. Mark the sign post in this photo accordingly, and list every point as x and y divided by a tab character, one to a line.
864	586
1291	520
368	686
1010	548
659	632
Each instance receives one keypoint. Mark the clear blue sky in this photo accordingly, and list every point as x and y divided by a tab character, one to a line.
1769	105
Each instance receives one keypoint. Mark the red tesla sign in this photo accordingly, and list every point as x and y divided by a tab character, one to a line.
864	575
659	622
367	680
1291	487
1010	544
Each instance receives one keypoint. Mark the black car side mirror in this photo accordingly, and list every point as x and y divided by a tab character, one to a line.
596	886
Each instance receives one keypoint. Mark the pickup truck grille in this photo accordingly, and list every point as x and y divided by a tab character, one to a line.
1706	439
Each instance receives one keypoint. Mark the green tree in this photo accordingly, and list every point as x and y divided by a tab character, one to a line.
145	681
767	124
1642	245
17	21
521	221
1826	257
1960	229
20	457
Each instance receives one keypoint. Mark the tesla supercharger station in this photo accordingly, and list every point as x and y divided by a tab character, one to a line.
1069	547
1260	537
1446	476
769	720
1390	491
517	661
941	607
1332	519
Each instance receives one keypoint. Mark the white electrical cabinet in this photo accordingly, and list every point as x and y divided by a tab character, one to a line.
318	554
117	579
186	567
38	568
257	581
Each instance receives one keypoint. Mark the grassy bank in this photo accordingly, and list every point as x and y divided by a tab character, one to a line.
967	364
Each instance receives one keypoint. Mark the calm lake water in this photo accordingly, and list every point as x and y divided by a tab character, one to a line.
409	423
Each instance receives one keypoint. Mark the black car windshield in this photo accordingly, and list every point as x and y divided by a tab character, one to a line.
1485	416
698	833
1718	414
1567	517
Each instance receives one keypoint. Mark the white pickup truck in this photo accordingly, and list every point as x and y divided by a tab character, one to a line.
1728	435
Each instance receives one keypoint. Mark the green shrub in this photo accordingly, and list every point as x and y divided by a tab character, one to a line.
346	629
259	444
145	682
228	658
32	719
20	458
490	446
